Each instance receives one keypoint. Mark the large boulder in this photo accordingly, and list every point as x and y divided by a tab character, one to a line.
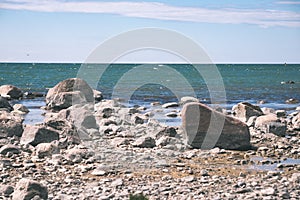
206	128
11	91
10	125
4	105
245	110
28	189
36	134
69	92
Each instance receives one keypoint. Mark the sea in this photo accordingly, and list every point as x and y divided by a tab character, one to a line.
141	84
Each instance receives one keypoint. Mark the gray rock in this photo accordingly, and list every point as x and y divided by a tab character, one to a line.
5	105
277	128
166	131
137	119
295	178
185	100
246	110
251	121
144	142
46	149
20	108
10	125
69	92
166	140
9	148
170	105
280	113
77	154
105	112
6	190
117	182
188	179
82	116
296	122
267	111
206	128
27	189
261	122
268	191
97	95
12	91
119	141
204	172
36	134
98	172
66	130
64	100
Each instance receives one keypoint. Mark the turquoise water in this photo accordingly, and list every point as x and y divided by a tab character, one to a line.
243	82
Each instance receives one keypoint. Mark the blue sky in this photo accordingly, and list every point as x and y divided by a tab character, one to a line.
256	31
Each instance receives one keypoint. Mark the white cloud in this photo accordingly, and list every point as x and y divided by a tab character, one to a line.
289	2
161	11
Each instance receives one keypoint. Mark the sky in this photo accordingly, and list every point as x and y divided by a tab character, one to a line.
230	31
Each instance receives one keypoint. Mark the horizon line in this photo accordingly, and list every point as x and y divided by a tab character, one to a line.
69	62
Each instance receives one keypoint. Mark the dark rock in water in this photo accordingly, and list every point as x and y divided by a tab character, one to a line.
288	82
32	95
20	108
280	113
170	105
69	92
4	104
291	101
9	148
12	91
206	128
37	134
246	110
171	114
10	125
277	128
27	189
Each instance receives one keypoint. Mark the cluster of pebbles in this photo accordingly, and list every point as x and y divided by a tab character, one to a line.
109	151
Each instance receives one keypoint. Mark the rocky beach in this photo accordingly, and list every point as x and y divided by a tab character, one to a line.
88	147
